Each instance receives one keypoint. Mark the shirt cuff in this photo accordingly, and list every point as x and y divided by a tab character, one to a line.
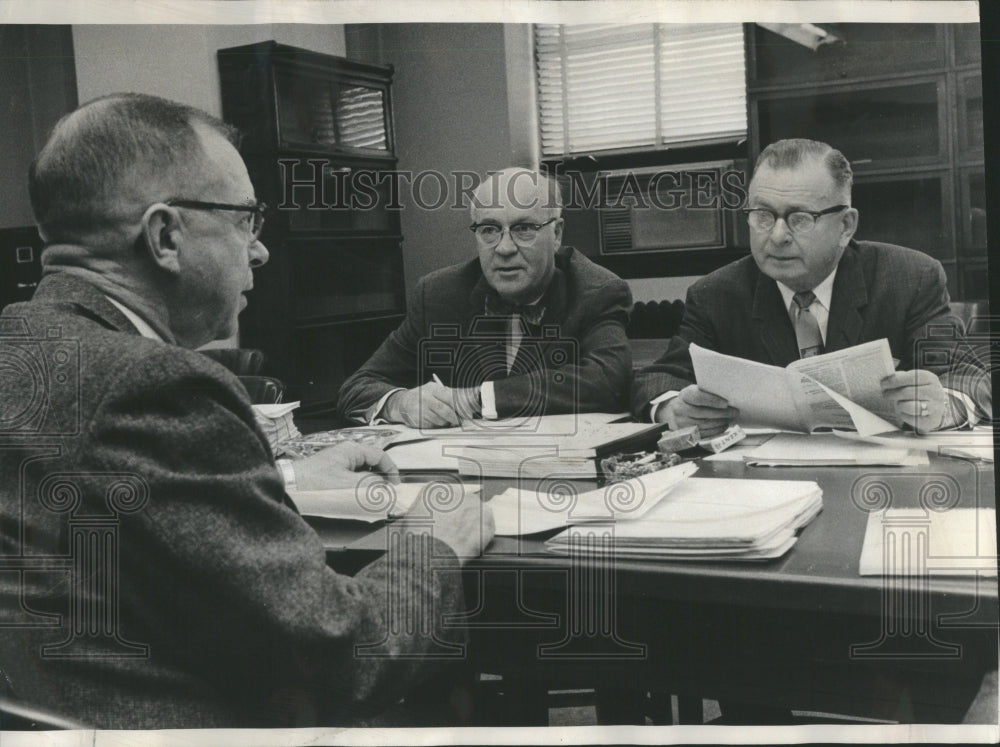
654	404
287	470
489	400
962	408
373	415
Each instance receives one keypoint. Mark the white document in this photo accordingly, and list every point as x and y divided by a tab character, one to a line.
520	512
826	449
974	444
834	390
959	542
377	503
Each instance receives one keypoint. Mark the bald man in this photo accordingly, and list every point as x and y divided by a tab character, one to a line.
527	328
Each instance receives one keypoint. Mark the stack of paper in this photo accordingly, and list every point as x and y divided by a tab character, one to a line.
715	519
918	542
276	422
371	502
519	512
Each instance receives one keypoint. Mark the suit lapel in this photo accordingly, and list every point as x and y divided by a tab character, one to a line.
850	294
773	327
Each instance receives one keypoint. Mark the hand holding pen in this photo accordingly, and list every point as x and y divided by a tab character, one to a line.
432	405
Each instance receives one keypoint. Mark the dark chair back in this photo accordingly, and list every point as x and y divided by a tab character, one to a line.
655	319
263	390
241	361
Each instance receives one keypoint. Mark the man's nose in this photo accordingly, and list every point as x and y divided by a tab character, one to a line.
506	245
258	254
780	232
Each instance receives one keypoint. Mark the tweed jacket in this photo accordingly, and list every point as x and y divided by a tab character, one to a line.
162	577
880	290
577	360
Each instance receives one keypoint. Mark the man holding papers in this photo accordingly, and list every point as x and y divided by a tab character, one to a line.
157	575
526	329
810	288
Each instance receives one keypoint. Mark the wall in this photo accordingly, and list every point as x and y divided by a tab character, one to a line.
462	100
177	62
450	111
37	87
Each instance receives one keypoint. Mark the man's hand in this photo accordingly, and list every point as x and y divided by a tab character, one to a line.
432	405
342	466
467	529
919	400
693	406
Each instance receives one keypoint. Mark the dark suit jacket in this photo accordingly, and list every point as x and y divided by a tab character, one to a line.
579	360
220	610
880	290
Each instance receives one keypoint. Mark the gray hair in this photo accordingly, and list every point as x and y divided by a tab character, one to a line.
546	188
787	154
113	149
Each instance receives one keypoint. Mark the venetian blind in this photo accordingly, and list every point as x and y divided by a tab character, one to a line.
641	86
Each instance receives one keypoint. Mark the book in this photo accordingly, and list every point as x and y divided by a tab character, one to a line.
839	390
532	455
714	519
567	445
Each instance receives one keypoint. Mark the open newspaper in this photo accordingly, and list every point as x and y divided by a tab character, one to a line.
840	390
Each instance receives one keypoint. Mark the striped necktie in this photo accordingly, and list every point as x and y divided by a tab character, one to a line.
806	327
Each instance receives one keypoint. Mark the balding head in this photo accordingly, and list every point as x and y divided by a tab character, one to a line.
106	161
518	188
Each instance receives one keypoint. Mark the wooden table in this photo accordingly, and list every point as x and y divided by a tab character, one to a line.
803	632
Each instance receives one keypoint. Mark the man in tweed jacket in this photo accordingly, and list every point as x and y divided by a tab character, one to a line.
156	574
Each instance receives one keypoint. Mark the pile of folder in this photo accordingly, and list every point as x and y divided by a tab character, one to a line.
709	519
277	423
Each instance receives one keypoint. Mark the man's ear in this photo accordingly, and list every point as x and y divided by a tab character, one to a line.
848	224
557	228
163	234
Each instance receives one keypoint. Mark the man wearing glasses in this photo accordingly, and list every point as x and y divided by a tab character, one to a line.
810	288
197	596
528	328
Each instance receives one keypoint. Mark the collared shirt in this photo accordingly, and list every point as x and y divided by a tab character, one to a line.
140	324
820	308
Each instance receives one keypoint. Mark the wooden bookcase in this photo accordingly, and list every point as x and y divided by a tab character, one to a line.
318	142
904	103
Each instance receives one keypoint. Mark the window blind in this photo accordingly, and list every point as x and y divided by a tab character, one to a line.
641	86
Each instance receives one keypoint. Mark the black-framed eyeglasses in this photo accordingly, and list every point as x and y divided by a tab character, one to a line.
798	221
256	211
523	234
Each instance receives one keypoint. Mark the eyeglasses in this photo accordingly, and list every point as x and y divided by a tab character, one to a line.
256	211
523	234
798	221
